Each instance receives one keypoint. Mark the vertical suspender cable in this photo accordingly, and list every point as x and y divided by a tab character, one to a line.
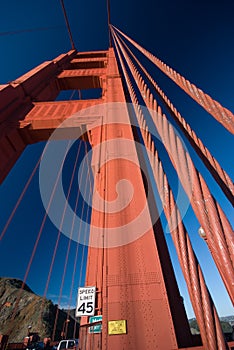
85	243
78	244
90	194
69	243
21	197
37	240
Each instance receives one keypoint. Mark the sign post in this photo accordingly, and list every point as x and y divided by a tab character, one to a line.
86	301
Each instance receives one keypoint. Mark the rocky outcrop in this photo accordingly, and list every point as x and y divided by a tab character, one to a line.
20	307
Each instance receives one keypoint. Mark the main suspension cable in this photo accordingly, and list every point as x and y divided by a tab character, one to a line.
210	215
204	308
219	174
67	24
220	113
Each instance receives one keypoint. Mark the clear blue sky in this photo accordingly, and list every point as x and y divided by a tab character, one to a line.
193	37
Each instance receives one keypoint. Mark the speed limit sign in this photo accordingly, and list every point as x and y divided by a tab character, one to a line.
86	301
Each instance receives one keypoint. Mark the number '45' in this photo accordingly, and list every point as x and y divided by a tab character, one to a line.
86	308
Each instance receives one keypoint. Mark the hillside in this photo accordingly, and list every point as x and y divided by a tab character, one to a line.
226	324
31	310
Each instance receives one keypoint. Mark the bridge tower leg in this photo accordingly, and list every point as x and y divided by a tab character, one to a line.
135	281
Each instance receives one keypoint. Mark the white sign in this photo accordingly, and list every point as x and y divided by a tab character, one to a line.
86	301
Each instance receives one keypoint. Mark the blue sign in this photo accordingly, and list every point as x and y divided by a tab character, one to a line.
98	327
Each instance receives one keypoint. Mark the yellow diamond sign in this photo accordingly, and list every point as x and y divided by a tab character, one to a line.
117	327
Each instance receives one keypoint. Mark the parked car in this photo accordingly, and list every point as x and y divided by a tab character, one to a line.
68	344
